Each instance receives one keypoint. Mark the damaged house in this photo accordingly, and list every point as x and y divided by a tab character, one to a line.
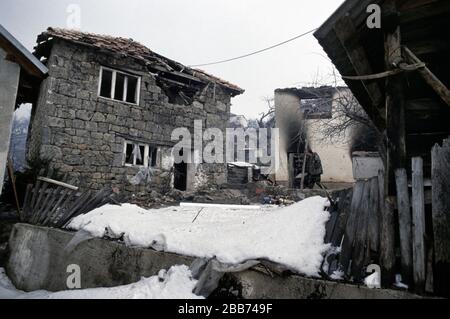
106	113
303	116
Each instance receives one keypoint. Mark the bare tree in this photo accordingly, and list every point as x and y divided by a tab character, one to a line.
266	119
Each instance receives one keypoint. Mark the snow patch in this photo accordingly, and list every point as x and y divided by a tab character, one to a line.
292	236
23	113
176	283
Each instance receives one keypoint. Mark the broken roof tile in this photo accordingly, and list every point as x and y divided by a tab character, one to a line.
133	49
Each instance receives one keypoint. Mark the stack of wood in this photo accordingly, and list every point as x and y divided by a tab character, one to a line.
53	203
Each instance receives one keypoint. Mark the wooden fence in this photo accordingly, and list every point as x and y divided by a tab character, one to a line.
53	203
401	234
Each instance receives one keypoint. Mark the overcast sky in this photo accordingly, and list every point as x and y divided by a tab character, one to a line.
200	31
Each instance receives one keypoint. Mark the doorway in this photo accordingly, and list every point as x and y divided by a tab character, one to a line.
180	175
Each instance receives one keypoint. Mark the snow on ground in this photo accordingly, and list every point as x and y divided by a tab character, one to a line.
292	236
176	283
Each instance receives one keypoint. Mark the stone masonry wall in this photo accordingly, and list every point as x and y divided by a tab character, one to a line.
84	134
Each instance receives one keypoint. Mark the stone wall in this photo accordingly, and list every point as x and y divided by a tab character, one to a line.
84	134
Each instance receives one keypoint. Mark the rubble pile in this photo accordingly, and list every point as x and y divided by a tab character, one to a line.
155	199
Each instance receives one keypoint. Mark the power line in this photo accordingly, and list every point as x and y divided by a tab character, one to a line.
255	52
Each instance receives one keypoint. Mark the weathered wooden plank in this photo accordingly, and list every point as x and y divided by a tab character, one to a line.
350	228
405	226
360	241
387	235
395	101
48	205
58	183
72	210
418	218
374	217
38	211
343	207
440	175
63	198
38	202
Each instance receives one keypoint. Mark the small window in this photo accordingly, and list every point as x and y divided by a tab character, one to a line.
138	154
119	86
153	156
132	90
106	84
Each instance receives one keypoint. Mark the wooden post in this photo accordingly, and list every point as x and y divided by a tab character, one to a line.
440	178
418	209
404	220
387	238
374	216
12	177
395	106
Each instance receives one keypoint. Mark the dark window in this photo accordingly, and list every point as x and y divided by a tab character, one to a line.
137	154
105	89
132	89
140	155
153	156
120	82
125	86
129	156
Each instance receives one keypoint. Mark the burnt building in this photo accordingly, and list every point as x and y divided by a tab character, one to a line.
107	110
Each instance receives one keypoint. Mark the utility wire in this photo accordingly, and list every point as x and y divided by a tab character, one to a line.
255	52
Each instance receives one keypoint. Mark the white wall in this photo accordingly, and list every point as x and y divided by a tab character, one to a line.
9	83
334	154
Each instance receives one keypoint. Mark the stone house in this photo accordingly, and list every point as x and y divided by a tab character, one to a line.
107	110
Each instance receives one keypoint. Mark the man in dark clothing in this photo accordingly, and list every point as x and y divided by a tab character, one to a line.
313	170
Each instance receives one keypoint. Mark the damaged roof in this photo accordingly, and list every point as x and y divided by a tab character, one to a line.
133	49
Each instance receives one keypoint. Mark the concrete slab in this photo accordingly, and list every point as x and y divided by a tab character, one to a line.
255	285
38	260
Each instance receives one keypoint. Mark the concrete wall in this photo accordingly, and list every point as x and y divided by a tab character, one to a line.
84	134
255	285
9	83
38	260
